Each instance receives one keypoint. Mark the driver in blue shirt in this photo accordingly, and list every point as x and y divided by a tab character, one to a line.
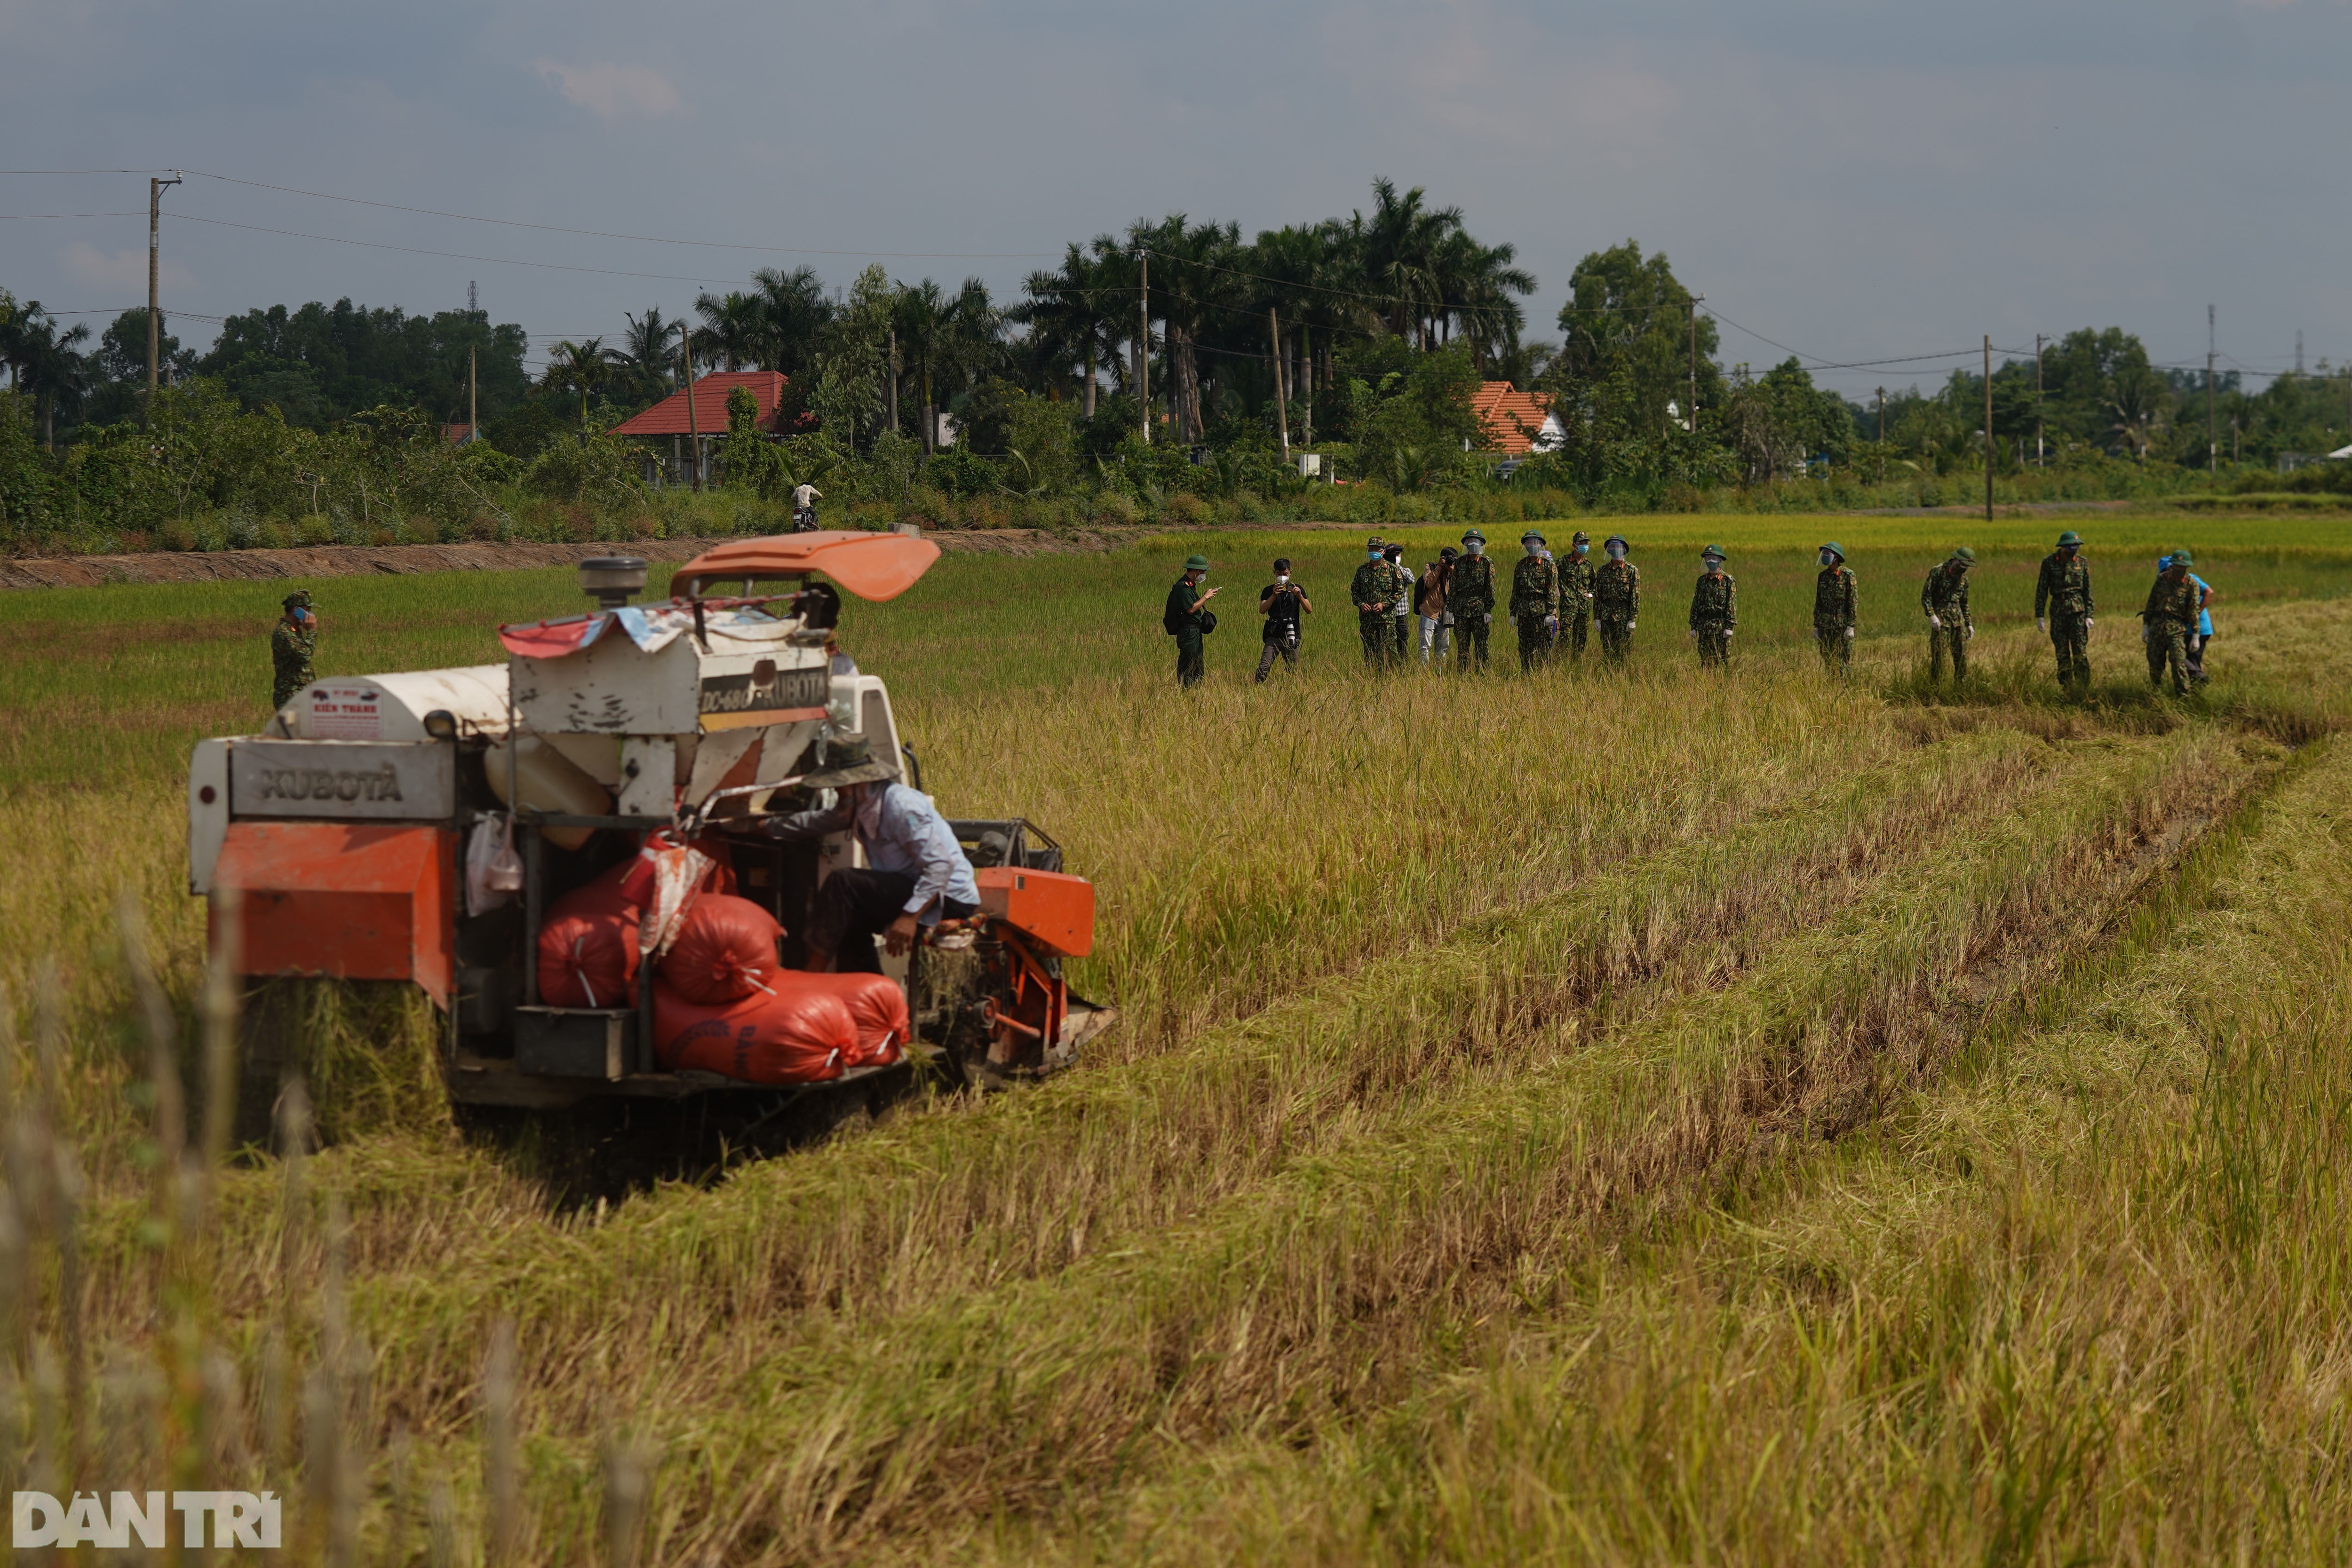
915	875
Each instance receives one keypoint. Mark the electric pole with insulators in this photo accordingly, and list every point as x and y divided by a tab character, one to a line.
155	278
1988	364
2212	432
1143	343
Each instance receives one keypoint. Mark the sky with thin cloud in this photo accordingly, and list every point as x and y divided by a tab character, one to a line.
1853	181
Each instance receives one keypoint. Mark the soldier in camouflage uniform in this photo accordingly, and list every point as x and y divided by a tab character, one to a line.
1834	609
1714	610
2062	607
2170	618
1374	590
1471	599
1576	595
1616	600
1535	601
292	646
1944	597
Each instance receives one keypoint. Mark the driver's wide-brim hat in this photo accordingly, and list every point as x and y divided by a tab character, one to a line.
849	762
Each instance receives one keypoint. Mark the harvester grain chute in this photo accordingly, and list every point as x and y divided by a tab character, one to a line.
418	829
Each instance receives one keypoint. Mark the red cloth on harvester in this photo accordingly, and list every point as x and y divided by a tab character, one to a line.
725	950
637	875
588	948
874	1001
799	1035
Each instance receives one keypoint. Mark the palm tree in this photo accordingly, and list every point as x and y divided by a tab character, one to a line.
795	310
1069	315
582	368
46	362
2136	399
1401	243
645	352
943	339
735	329
1196	282
1475	283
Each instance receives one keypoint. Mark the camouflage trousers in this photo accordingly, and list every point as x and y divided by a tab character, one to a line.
2167	648
1572	629
1952	640
1379	638
1836	648
1616	636
1470	628
2072	638
1535	642
1714	643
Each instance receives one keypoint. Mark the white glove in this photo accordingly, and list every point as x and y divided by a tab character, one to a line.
1727	633
1488	618
1587	596
1934	623
2088	623
2042	626
1849	633
1629	625
1694	637
1969	635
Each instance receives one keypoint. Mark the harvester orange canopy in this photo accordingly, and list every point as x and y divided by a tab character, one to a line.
871	566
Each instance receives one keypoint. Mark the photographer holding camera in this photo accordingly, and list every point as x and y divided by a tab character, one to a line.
1282	602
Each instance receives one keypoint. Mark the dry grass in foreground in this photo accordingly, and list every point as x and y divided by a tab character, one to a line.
1560	1118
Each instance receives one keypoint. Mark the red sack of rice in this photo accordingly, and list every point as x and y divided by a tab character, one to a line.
725	950
874	1001
792	1037
588	948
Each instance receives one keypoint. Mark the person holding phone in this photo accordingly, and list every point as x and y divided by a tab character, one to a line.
292	645
1283	602
1189	619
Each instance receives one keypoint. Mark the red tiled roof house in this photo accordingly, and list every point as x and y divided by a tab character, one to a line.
1516	422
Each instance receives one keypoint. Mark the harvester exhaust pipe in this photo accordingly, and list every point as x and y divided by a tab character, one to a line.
611	580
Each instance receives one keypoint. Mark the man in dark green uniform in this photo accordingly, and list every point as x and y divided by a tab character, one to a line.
1616	600
292	646
1374	591
1834	609
1535	601
1471	601
1576	593
1944	597
1189	619
2170	617
1714	610
2062	607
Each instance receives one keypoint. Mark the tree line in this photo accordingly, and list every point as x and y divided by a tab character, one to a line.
1177	356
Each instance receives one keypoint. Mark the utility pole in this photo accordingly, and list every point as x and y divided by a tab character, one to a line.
693	427
2298	353
1696	300
2213	434
894	376
1281	399
1143	344
1882	416
2039	461
473	394
155	278
1988	362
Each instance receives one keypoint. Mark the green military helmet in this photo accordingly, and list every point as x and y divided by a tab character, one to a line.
1712	552
1616	539
2182	558
2070	538
1965	555
1196	563
1531	534
1835	549
1474	536
299	600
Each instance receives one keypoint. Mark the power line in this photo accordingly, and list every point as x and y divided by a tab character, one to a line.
34	218
452	255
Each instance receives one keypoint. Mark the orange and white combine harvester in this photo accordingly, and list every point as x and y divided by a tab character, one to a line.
418	827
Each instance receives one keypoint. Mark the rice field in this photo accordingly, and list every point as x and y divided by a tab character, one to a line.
1581	1117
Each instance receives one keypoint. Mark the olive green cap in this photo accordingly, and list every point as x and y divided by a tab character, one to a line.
1373	543
1196	563
300	597
2182	558
2069	537
1965	555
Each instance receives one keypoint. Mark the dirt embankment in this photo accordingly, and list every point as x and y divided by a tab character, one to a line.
360	560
